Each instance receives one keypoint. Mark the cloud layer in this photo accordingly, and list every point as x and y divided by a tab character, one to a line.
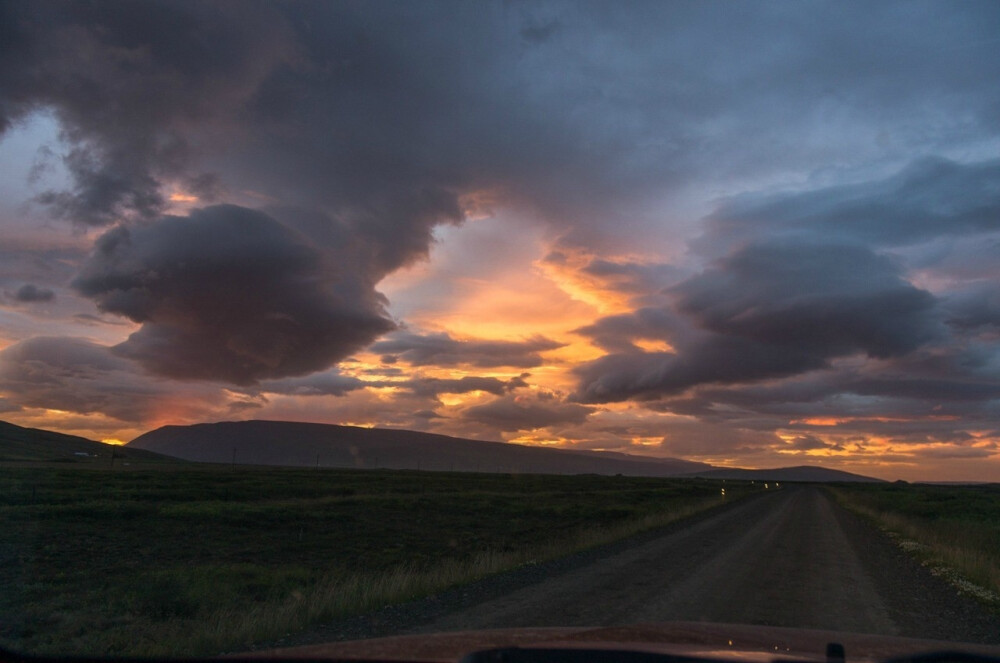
228	294
704	229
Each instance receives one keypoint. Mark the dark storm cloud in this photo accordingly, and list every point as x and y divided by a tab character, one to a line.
355	108
90	320
466	384
327	383
361	125
332	383
440	349
829	403
942	374
957	452
766	311
808	443
30	293
975	308
969	260
514	413
617	333
793	297
25	261
619	275
693	438
931	199
75	375
631	277
133	85
932	395
243	406
952	388
385	112
231	294
714	359
822	299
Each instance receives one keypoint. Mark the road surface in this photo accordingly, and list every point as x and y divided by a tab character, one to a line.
790	558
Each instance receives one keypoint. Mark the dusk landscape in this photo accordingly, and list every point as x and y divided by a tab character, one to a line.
588	313
750	236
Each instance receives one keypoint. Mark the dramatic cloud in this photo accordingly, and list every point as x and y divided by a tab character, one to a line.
133	86
386	115
79	376
30	293
464	385
807	443
26	263
618	333
975	308
519	413
768	310
327	383
694	438
826	300
806	320
931	199
748	232
229	294
440	349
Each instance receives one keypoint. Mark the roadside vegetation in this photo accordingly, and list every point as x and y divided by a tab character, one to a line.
954	530
190	561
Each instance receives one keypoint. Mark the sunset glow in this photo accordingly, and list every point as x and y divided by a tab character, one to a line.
664	235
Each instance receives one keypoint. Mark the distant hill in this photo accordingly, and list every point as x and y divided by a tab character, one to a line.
326	445
808	473
36	445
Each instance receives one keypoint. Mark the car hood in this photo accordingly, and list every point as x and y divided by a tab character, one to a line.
713	641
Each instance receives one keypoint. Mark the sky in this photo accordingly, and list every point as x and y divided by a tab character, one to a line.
751	234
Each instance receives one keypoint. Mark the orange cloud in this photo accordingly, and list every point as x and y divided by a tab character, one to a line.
836	421
535	440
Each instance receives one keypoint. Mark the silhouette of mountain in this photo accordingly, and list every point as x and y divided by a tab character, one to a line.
808	473
325	445
36	445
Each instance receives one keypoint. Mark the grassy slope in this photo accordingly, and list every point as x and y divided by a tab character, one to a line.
953	529
198	561
33	445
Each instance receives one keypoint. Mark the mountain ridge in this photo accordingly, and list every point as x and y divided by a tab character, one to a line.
799	473
22	444
216	442
259	442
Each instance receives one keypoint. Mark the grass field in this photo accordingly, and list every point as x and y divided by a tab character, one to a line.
954	529
199	561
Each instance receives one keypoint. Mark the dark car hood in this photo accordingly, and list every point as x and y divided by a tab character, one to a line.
715	641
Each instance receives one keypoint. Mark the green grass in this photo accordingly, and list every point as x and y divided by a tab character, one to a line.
953	529
197	561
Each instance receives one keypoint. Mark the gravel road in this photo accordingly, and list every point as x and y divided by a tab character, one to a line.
792	557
